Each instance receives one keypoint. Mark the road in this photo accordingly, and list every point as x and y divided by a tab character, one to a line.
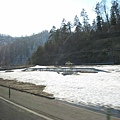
34	107
11	112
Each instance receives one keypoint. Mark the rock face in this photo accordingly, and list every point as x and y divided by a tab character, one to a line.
26	87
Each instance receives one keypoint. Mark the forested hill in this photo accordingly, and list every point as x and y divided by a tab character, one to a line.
83	43
18	50
79	49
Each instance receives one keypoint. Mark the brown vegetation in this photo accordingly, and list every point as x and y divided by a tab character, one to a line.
26	87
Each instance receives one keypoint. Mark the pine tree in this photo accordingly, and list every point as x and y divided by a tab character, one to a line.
115	13
77	24
86	24
99	18
113	18
99	24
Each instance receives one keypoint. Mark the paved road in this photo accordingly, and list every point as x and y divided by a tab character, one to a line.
11	112
53	109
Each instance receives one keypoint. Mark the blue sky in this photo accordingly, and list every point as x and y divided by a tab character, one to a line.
25	17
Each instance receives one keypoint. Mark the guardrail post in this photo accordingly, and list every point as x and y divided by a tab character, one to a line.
9	91
108	113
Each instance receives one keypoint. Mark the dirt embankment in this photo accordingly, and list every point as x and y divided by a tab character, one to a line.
26	87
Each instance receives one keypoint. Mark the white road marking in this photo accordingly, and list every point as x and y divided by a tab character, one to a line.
26	109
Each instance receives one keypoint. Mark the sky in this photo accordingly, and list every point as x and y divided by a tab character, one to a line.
25	17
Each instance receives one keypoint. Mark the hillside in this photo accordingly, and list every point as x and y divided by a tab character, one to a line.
101	51
18	50
96	51
80	49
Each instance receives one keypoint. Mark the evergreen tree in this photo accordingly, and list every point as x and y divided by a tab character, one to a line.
94	26
64	31
115	13
77	24
86	25
113	18
99	18
99	24
69	27
38	56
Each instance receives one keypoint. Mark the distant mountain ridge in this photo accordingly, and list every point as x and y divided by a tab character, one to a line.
6	39
18	50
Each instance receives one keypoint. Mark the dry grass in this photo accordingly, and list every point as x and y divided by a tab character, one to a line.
26	87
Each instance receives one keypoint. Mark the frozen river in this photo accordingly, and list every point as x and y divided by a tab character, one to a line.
97	89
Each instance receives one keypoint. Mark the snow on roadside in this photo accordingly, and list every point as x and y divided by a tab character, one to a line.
88	88
38	66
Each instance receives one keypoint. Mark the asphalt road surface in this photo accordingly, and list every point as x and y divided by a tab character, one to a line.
24	106
11	112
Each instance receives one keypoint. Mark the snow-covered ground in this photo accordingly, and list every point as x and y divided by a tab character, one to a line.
102	88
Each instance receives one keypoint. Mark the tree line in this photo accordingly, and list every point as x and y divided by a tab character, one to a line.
78	41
